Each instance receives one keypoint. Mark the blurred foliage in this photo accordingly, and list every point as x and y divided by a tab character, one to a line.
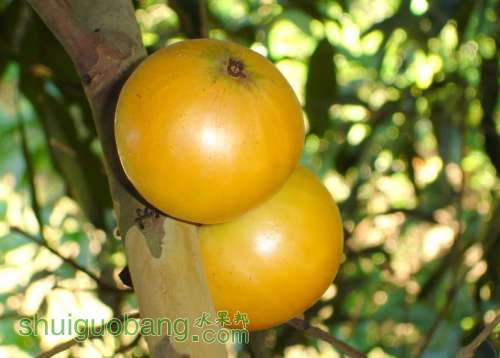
403	116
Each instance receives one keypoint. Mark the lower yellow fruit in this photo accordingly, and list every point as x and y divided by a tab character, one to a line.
275	261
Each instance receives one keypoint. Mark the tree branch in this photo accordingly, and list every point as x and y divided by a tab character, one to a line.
30	171
103	40
468	350
324	336
102	284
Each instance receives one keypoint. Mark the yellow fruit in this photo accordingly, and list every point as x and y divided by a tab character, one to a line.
275	261
207	129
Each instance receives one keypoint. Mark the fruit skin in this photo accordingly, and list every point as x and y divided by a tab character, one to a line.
203	145
276	260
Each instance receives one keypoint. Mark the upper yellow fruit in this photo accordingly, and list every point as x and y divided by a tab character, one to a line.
275	261
207	129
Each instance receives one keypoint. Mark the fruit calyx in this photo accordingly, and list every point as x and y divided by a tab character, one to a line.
235	68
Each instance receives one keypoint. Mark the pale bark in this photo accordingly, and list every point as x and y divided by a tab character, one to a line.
104	42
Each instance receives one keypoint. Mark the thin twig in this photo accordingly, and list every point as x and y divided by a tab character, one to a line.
30	171
70	343
468	350
302	325
102	284
58	349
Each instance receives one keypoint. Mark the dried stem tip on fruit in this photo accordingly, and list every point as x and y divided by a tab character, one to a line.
235	68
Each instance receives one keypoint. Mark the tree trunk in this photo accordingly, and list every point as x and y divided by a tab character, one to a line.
104	42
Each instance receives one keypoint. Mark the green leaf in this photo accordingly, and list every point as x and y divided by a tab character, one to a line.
321	87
